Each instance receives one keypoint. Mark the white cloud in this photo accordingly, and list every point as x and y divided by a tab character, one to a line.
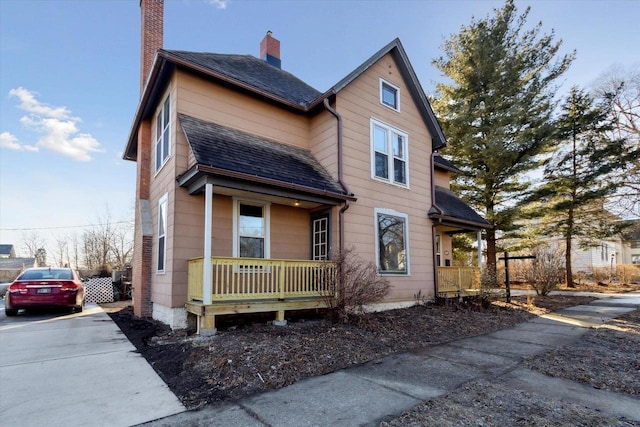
59	129
220	4
10	141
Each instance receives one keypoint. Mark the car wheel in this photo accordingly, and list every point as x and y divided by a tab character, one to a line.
11	311
78	308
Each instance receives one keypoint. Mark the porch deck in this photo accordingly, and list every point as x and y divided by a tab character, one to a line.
254	285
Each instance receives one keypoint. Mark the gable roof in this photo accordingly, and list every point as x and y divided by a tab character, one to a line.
397	51
455	212
255	76
232	154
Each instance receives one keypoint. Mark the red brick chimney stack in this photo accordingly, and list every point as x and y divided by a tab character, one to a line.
270	50
151	39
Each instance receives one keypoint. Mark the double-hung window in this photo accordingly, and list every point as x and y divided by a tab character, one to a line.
163	143
162	233
389	95
251	230
389	154
392	242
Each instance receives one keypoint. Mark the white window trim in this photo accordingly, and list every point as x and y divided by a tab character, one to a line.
236	223
406	240
163	199
375	122
160	111
397	89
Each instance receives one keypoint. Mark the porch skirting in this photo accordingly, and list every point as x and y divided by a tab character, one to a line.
206	313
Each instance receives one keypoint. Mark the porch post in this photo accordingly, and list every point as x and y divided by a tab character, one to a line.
208	224
480	250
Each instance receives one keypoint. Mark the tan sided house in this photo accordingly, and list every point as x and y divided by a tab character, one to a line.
248	179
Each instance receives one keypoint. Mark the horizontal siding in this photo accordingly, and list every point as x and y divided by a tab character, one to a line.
358	103
212	102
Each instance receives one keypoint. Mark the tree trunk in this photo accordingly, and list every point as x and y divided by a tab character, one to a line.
570	283
491	255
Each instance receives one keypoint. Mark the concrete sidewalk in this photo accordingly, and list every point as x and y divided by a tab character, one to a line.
365	395
76	370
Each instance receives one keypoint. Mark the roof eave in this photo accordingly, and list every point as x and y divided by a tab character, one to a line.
191	176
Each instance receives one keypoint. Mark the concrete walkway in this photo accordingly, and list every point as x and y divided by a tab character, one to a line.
76	370
365	395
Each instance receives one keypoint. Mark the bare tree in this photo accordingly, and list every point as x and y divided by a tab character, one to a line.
622	88
32	242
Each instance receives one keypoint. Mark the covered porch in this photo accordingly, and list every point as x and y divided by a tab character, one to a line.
268	230
452	216
253	285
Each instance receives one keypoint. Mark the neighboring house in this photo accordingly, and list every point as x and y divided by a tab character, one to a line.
248	179
630	244
7	251
10	266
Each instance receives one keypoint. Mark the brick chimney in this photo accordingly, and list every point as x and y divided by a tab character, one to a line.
270	50
151	39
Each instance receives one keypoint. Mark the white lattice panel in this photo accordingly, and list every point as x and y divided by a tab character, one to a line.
99	290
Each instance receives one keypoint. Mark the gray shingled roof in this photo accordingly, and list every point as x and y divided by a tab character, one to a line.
445	164
255	72
454	207
16	263
231	150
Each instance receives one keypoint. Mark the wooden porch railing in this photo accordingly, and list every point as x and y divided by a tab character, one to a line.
244	279
458	281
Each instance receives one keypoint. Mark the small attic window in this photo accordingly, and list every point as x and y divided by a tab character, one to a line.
389	95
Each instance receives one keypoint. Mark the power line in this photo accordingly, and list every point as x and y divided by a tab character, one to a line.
64	226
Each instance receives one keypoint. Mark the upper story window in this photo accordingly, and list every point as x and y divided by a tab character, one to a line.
389	95
162	233
389	154
163	143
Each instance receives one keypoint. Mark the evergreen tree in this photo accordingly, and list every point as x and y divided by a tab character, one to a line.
578	177
496	110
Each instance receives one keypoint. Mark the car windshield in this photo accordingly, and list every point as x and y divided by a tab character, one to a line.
52	273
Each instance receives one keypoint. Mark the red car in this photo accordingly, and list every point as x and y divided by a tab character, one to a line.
45	287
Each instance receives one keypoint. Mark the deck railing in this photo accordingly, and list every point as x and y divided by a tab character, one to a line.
458	280
240	279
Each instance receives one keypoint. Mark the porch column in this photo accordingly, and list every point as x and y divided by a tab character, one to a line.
480	250
208	224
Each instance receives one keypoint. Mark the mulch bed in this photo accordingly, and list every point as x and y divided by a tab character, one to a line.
255	356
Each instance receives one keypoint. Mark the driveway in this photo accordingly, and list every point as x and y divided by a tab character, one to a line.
60	369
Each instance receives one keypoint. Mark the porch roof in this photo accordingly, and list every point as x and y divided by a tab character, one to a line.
454	212
232	158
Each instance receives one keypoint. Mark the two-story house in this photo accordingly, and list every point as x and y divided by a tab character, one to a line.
248	180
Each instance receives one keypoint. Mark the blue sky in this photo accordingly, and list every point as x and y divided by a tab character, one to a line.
69	78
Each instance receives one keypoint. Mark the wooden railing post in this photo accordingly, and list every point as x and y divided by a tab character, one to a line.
281	281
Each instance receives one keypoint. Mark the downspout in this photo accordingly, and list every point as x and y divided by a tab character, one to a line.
433	226
340	174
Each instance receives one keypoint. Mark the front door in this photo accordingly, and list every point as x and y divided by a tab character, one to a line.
320	236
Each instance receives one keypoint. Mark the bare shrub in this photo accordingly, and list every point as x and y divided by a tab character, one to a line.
489	287
353	284
547	270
